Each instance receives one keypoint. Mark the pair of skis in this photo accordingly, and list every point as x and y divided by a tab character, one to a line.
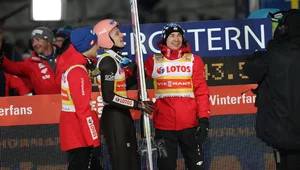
147	145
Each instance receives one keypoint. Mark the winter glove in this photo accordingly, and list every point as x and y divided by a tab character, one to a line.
161	148
96	152
202	130
146	106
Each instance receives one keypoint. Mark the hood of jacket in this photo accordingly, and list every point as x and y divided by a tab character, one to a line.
69	58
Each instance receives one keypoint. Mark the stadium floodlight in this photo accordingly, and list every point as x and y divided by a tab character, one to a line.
48	10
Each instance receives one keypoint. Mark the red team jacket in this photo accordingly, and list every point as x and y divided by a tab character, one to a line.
16	83
80	128
37	70
177	113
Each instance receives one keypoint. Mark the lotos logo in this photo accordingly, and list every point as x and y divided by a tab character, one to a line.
172	69
92	127
89	120
160	70
182	69
123	101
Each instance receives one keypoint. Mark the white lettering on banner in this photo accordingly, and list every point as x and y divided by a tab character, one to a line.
235	38
209	33
226	38
143	38
92	127
151	40
196	31
247	30
132	47
15	111
231	100
123	101
262	35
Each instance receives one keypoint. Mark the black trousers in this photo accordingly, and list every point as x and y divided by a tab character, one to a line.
120	136
192	152
287	159
79	159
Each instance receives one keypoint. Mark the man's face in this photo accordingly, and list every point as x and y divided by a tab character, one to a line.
39	45
117	37
59	41
174	41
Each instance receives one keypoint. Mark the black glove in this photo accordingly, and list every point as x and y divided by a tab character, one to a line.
202	130
96	152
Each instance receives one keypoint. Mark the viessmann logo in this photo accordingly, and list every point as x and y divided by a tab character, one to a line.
172	69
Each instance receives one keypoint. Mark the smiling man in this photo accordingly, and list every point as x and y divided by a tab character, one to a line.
40	67
181	113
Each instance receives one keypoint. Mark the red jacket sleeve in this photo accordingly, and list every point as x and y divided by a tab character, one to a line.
18	84
81	89
149	64
200	88
16	68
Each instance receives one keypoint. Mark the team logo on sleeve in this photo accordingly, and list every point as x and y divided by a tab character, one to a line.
92	127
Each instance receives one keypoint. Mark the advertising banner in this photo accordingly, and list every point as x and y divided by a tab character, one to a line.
207	38
45	109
